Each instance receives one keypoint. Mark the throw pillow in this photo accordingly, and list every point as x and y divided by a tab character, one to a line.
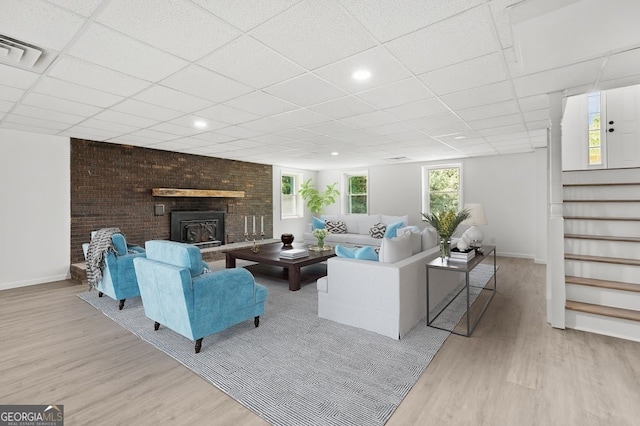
366	253
392	228
378	230
429	238
395	249
317	223
342	251
405	229
120	244
336	227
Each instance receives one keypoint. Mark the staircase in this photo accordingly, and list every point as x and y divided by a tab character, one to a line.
602	251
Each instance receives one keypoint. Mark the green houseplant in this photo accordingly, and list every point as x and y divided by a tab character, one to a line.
315	200
445	222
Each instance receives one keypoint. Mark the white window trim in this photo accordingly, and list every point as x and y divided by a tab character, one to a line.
296	192
345	190
426	204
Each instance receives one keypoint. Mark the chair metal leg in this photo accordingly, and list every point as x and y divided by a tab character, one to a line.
256	321
100	294
198	345
156	326
121	305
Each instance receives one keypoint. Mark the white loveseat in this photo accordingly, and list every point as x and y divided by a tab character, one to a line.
383	297
358	227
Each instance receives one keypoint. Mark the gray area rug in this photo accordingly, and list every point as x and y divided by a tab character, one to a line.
296	368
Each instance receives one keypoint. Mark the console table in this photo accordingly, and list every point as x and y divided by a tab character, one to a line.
466	268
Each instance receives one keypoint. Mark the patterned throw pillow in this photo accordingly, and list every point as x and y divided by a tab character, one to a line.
378	230
335	227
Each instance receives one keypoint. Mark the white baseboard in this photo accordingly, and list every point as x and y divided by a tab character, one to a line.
34	281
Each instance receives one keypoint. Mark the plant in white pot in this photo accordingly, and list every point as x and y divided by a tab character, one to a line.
316	201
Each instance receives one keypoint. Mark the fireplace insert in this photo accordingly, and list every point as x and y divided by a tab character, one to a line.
203	228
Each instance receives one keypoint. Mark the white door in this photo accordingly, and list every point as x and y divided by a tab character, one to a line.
622	128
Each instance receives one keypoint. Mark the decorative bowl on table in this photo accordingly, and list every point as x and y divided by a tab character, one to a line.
287	240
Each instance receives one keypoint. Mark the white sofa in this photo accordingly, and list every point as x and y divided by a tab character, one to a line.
358	226
386	298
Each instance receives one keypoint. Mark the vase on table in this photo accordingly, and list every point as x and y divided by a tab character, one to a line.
445	248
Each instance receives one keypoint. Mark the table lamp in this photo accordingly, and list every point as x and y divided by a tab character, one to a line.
477	217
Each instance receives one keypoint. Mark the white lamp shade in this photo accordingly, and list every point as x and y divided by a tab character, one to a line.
477	217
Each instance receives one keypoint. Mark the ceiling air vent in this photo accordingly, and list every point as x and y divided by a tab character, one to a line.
398	159
24	55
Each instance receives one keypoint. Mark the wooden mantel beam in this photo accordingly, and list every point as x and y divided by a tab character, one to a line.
175	192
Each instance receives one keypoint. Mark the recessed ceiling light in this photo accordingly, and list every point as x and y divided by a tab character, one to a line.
460	137
334	153
200	124
361	75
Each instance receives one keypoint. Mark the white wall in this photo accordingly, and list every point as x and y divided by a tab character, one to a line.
36	212
512	189
575	133
295	226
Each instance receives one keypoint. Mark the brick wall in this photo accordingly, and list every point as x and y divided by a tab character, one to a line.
111	187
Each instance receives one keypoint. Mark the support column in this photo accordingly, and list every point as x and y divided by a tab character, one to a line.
556	290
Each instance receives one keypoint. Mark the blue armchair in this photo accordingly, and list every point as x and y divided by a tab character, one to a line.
118	274
178	292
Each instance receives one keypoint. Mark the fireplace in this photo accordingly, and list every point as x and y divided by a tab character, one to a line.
202	228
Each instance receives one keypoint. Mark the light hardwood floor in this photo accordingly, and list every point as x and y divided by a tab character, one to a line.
514	370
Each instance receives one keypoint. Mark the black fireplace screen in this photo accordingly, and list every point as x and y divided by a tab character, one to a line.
198	227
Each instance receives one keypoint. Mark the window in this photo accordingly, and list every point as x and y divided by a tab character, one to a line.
291	203
441	188
356	193
595	135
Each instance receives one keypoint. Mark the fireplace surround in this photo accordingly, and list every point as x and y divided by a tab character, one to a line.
204	228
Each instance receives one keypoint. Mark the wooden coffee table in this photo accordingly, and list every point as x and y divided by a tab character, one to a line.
269	254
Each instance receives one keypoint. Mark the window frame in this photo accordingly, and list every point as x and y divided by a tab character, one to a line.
426	199
347	195
603	118
298	202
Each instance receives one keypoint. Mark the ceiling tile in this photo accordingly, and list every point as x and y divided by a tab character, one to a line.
81	7
213	137
383	67
241	58
491	110
305	90
301	117
58	104
622	64
173	99
118	128
297	134
246	14
370	119
73	92
206	84
502	130
417	109
329	128
466	75
558	79
155	135
91	133
387	129
143	109
122	118
80	72
531	103
343	107
261	103
34	121
110	49
175	129
388	20
180	28
10	94
5	106
227	114
16	77
39	22
537	115
405	91
314	34
503	120
489	94
462	37
48	114
189	121
266	125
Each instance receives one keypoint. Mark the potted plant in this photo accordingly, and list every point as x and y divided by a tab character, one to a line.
316	201
445	222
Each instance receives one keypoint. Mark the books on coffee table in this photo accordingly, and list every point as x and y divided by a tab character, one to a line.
294	253
462	255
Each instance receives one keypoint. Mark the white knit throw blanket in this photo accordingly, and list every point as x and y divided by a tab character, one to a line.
100	244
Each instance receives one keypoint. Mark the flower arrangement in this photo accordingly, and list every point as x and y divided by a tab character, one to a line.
320	234
446	221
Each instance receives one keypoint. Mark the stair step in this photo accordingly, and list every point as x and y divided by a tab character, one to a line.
601	218
612	285
602	259
603	238
607	311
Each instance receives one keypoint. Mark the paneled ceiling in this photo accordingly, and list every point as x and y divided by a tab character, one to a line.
272	81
